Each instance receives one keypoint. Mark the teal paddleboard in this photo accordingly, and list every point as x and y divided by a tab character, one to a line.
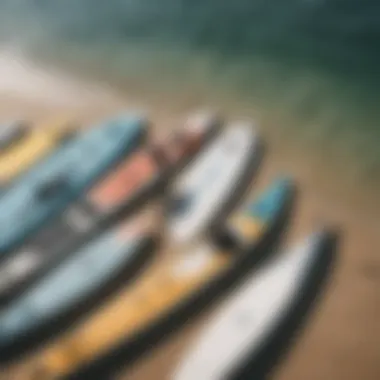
50	186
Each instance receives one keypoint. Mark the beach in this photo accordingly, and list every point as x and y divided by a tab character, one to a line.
306	74
340	340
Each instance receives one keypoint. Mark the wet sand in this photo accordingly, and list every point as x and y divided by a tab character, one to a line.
341	339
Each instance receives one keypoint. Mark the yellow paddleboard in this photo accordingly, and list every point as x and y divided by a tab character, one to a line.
171	283
31	147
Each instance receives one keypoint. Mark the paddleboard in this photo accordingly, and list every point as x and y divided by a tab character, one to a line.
210	185
165	296
121	191
233	342
69	290
49	187
23	146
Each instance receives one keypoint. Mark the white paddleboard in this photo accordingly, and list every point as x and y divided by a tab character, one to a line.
253	313
210	183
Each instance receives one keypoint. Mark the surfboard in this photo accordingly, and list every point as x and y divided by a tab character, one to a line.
22	146
81	281
239	338
132	182
50	186
166	294
210	185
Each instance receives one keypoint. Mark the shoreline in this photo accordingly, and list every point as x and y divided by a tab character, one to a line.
290	136
327	180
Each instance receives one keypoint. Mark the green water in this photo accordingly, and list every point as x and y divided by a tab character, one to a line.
308	70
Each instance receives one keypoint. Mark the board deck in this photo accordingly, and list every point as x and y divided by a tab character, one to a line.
235	337
122	191
24	148
49	187
164	294
213	182
53	303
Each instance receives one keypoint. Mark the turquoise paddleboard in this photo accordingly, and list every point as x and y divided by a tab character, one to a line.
83	280
50	186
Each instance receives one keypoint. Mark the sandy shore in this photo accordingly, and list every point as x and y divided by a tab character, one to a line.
341	340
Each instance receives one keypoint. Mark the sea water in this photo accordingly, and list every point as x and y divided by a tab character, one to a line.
308	69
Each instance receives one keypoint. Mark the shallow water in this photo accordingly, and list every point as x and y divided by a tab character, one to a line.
308	70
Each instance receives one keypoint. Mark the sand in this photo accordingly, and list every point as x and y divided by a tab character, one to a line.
341	339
